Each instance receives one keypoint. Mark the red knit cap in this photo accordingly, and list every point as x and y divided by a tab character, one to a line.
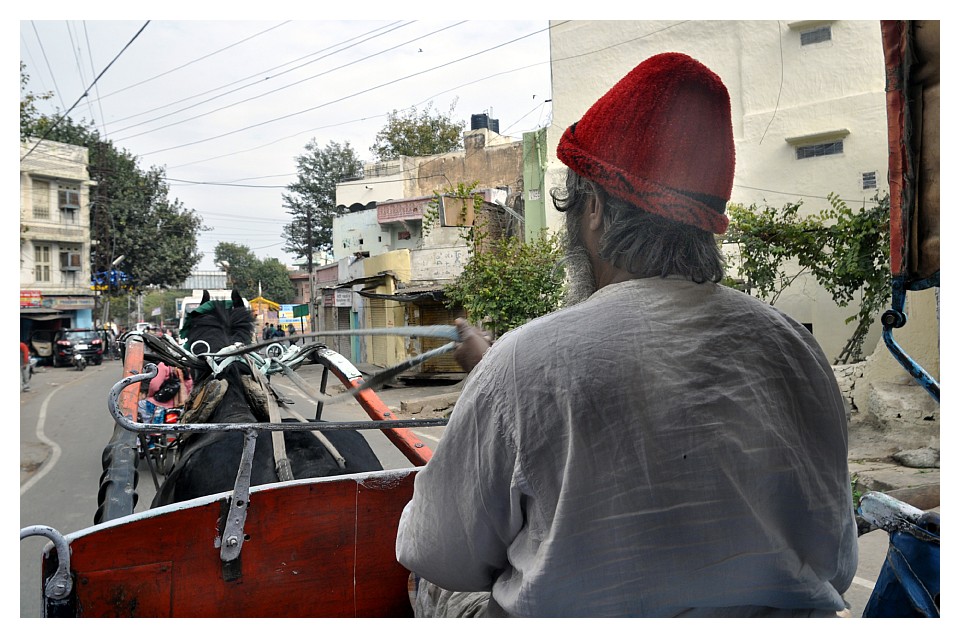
661	139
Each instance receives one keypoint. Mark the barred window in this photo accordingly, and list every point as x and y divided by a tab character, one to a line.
41	263
870	180
818	150
813	36
41	199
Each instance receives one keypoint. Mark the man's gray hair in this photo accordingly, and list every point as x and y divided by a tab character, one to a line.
639	242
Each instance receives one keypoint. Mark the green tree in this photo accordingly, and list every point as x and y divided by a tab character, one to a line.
312	199
418	134
847	252
275	279
506	281
30	118
249	275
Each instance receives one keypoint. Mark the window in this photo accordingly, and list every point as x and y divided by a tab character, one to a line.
870	180
41	263
818	150
814	36
403	234
41	199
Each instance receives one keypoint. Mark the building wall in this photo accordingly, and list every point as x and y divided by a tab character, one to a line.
489	158
47	169
381	181
779	91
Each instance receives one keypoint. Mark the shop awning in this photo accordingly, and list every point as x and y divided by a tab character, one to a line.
42	314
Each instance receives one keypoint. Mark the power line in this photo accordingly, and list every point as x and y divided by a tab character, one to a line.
194	61
47	62
258	74
85	93
346	97
255	97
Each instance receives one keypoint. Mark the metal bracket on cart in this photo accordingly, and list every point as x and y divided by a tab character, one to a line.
60	584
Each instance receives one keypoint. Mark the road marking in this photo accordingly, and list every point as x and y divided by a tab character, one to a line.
863	582
41	436
423	435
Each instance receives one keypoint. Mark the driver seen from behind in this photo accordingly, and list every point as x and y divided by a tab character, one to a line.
663	445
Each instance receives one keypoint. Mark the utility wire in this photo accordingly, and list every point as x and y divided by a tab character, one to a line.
346	97
94	70
85	93
182	66
282	88
260	73
47	62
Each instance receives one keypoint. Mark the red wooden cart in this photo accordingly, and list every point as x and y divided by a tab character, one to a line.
321	547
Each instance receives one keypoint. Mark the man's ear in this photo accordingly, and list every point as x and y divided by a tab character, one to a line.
594	210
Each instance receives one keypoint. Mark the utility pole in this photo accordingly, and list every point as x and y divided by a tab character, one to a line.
313	310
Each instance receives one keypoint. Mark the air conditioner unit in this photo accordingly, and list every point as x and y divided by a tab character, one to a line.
69	199
70	261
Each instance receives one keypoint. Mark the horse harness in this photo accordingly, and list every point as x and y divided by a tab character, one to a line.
266	402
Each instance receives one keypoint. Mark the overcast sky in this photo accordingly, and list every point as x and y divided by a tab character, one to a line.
227	106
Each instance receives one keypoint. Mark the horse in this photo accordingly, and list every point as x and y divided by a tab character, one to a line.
207	462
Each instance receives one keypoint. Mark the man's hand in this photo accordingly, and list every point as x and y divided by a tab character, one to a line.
474	342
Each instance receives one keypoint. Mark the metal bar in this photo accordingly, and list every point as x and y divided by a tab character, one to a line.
60	584
150	371
897	318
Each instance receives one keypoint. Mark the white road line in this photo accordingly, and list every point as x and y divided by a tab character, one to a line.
55	456
423	435
864	582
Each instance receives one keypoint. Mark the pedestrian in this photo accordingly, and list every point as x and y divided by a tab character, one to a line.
663	445
267	331
278	332
24	367
292	331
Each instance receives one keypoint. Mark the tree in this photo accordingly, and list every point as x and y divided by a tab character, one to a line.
506	281
418	133
312	199
847	253
30	118
249	275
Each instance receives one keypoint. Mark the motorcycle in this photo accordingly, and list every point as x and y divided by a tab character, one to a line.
79	361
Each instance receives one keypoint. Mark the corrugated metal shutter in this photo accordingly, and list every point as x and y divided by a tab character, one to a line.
436	314
378	319
341	343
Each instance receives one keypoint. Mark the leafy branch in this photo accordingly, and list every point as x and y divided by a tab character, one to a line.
847	252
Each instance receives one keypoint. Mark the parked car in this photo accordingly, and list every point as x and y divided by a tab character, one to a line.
87	341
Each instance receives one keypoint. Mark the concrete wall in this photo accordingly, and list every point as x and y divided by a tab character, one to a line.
493	160
779	90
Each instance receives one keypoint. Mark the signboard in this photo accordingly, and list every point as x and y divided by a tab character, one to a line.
31	299
343	298
403	210
301	310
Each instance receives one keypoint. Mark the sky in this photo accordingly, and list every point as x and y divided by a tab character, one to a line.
226	106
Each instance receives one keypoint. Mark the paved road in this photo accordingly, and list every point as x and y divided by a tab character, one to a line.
64	423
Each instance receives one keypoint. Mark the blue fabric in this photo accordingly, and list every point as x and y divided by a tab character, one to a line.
909	582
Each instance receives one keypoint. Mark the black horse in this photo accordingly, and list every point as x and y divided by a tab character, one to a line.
207	462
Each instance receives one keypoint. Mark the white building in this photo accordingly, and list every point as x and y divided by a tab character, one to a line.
55	287
809	115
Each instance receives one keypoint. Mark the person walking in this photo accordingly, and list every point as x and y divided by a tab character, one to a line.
24	367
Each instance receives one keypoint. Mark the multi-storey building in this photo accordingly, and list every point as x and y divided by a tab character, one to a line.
55	290
808	106
394	257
